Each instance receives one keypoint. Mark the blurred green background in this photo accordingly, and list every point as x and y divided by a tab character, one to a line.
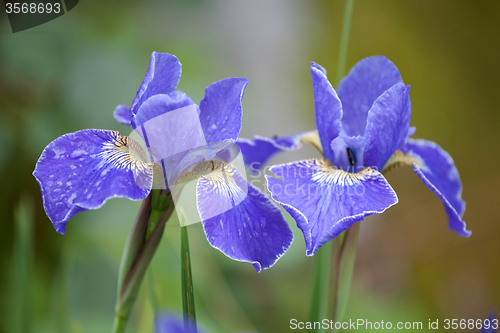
70	73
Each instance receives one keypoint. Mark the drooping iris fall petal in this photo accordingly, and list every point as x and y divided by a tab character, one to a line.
436	169
325	201
241	221
81	170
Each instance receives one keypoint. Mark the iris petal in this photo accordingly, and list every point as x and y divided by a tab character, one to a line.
328	109
81	170
325	201
162	77
366	81
122	114
437	170
257	151
221	111
171	129
387	125
241	221
158	105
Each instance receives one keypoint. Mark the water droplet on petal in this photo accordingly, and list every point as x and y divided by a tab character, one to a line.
77	153
71	198
58	152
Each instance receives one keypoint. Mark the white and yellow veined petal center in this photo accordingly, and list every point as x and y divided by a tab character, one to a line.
121	152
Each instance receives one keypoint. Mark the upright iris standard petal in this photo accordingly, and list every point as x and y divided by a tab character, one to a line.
366	81
325	201
122	114
328	109
436	169
162	77
81	170
387	125
170	127
241	221
158	105
221	111
257	151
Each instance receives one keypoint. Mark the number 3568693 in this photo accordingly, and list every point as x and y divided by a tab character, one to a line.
32	8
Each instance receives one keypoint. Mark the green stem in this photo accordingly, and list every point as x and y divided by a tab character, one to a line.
135	240
151	291
321	277
119	324
187	283
140	248
344	39
344	252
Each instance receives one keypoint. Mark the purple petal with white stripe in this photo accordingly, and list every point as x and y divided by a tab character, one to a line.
221	111
81	170
328	109
436	169
387	125
325	201
162	77
366	81
241	221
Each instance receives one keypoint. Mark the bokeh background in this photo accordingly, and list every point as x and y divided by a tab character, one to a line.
70	73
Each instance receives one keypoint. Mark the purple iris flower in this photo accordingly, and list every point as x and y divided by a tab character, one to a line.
82	170
363	130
